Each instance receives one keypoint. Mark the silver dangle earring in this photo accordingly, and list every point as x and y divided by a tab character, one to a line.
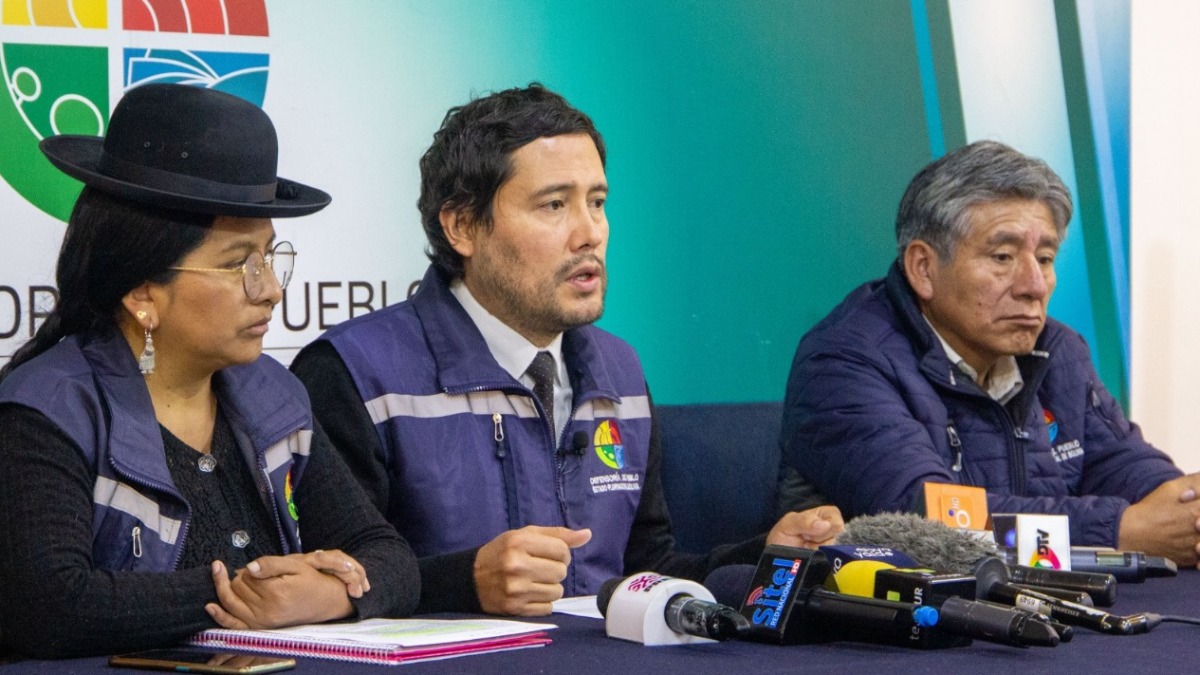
146	360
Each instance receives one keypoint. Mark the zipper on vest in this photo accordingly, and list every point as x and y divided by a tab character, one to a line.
137	530
507	470
267	492
955	447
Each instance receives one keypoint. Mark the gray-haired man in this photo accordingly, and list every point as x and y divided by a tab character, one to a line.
948	370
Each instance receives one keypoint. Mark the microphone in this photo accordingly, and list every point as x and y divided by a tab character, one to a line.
945	549
930	543
783	600
997	623
1076	614
657	610
1126	566
1102	588
1061	594
579	443
992	574
953	595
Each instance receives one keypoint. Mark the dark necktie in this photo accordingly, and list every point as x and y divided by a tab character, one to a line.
541	371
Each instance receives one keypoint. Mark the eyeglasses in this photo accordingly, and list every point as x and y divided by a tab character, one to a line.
281	261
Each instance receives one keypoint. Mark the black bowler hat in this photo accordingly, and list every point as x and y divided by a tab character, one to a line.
187	148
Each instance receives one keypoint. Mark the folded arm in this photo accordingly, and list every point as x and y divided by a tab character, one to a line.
55	603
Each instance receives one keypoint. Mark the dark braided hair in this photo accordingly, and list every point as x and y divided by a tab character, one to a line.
112	245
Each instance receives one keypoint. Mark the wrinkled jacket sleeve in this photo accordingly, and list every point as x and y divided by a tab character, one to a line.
1119	461
849	431
1120	467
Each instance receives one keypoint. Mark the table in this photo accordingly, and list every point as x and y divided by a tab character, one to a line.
580	647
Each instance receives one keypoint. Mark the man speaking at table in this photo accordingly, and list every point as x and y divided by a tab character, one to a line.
510	441
948	370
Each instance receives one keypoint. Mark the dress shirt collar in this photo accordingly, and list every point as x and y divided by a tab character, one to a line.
1003	380
510	349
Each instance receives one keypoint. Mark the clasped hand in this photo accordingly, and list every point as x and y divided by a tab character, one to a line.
520	572
275	591
808	529
1165	522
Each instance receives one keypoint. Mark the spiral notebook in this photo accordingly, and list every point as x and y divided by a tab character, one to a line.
384	641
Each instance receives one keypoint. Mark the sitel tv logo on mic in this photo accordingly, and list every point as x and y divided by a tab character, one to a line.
769	599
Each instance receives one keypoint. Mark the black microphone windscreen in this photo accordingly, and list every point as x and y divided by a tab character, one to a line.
730	583
930	543
606	592
579	441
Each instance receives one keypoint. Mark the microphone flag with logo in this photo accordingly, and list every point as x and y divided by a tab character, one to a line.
656	610
786	604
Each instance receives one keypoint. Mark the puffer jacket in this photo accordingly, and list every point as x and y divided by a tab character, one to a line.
874	410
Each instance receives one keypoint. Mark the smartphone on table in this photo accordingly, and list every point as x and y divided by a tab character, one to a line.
191	661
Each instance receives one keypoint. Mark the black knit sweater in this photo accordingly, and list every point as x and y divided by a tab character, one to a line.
54	604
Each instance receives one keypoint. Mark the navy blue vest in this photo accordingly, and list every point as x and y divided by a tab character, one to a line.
469	451
90	388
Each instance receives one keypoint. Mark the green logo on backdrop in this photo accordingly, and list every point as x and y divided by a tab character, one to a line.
55	88
52	90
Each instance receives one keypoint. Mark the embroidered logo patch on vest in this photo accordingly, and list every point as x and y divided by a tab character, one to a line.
609	449
1066	450
1051	424
287	495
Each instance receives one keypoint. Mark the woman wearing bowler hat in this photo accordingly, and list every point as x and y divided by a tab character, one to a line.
158	474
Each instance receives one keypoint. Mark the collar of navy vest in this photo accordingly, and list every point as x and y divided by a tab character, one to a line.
464	362
258	406
592	380
252	402
133	424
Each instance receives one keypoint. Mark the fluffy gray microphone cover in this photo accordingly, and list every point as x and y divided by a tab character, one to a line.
930	543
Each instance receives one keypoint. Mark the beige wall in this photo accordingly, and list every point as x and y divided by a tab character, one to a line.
1165	225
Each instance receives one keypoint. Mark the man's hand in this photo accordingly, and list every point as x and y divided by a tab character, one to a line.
275	591
1166	522
520	572
808	529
